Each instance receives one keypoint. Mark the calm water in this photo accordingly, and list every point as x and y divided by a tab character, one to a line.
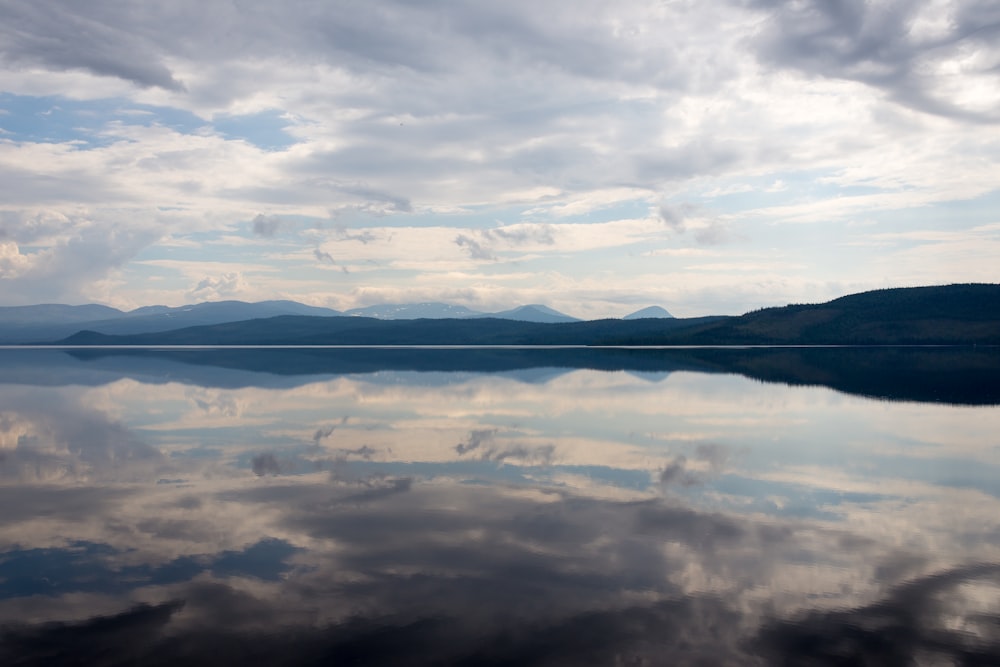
529	507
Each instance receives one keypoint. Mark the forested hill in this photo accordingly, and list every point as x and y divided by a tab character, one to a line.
952	314
949	314
295	330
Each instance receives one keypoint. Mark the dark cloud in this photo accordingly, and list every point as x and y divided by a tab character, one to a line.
674	216
475	249
921	621
265	464
678	472
523	234
379	489
94	37
362	452
266	225
323	256
717	455
714	234
709	229
476	439
395	204
678	632
533	454
323	433
876	44
484	443
26	502
452	573
89	642
675	472
364	237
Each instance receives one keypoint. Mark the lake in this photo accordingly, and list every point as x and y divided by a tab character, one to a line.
500	506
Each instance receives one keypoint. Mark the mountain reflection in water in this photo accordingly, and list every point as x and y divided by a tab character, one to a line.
500	507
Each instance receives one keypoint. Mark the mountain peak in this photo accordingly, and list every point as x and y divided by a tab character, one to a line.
412	311
534	312
649	313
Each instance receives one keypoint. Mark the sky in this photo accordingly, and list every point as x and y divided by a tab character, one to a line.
595	157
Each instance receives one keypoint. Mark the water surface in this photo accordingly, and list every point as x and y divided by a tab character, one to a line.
500	507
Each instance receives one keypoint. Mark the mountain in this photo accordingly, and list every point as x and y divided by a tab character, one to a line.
651	311
298	330
20	324
55	313
943	315
413	311
937	315
533	313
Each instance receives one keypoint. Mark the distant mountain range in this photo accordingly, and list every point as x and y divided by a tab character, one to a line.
47	322
414	311
951	314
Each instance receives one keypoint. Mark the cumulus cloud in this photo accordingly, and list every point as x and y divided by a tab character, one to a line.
441	112
67	254
58	440
224	286
485	444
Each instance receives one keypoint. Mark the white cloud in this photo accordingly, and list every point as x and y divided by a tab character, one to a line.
413	124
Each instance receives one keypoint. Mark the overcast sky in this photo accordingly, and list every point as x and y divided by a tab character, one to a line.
707	156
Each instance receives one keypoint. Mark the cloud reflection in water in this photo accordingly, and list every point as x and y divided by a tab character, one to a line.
483	519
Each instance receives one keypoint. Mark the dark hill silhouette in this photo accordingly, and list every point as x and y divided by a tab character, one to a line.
945	315
294	330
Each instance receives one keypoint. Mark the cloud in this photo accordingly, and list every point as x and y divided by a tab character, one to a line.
364	236
212	288
480	127
63	35
484	443
523	234
711	458
323	256
49	257
908	49
475	249
265	464
58	440
918	620
687	217
266	225
476	439
325	432
674	216
675	473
